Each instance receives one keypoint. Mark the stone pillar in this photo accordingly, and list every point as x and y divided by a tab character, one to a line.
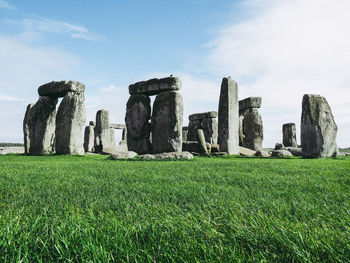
71	117
102	131
26	130
228	118
289	135
251	133
318	128
184	133
40	125
205	121
138	114
167	118
89	137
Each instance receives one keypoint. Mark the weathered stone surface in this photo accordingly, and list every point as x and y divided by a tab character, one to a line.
279	146
253	129
246	152
61	88
40	125
241	131
318	128
295	151
103	137
219	154
261	153
91	123
281	153
117	126
70	120
167	156
210	129
138	114
201	141
122	155
167	117
228	117
251	102
193	126
215	148
155	86
289	135
190	146
26	130
184	133
89	137
203	115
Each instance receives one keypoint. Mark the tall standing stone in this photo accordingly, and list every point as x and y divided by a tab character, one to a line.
102	132
138	114
167	118
318	128
89	137
289	135
210	129
228	118
253	129
40	124
26	130
71	117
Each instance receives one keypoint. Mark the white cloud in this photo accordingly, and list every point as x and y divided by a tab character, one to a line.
285	49
37	23
4	4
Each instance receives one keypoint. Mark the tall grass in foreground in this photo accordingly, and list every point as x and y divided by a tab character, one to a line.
64	208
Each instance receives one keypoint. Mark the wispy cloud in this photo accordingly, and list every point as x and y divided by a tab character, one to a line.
58	27
4	4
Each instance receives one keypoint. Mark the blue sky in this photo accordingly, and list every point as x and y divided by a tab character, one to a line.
277	49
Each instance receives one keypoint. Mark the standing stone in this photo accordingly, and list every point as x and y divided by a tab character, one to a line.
102	131
201	141
210	129
228	117
289	135
89	137
26	128
184	133
71	117
138	114
167	118
40	123
193	126
241	131
253	129
318	128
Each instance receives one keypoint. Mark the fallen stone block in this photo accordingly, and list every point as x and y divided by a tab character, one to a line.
246	152
281	153
122	155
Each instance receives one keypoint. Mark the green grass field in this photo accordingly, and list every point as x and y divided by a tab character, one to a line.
81	209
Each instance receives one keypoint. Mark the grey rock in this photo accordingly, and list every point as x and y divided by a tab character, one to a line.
193	126
201	141
167	117
281	153
184	133
155	86
203	115
279	146
289	135
246	152
138	114
190	146
167	156
26	130
215	148
295	151
318	128
219	154
241	131
70	120
40	125
261	153
251	102
61	88
228	118
103	133
122	155
91	123
210	129
253	129
89	137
